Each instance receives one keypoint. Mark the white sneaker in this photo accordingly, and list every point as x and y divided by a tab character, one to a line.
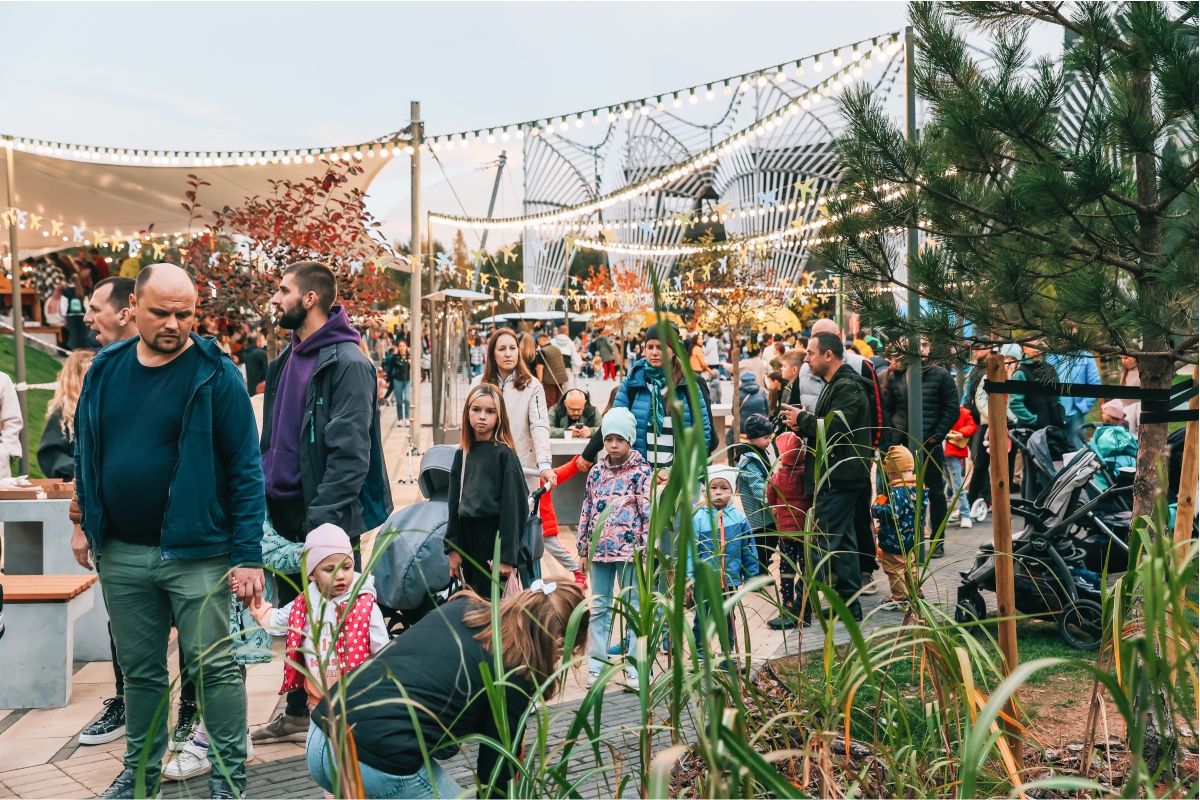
191	761
979	510
592	678
954	515
965	522
249	746
631	679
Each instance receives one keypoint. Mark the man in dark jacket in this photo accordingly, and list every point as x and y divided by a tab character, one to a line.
170	489
939	412
322	456
254	356
1036	411
574	417
844	408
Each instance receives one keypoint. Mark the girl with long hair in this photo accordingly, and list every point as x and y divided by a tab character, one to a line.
56	453
425	692
488	494
505	368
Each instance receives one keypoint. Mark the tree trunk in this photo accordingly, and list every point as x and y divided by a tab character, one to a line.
272	341
1156	373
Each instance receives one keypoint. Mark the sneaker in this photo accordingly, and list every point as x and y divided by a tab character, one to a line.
938	552
249	745
954	515
868	584
218	789
889	604
284	728
192	760
109	727
784	622
631	680
979	510
123	787
965	522
593	676
188	718
581	580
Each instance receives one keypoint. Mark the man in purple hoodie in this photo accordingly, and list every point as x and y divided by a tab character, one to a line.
322	456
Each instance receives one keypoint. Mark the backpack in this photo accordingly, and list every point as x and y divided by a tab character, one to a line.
874	405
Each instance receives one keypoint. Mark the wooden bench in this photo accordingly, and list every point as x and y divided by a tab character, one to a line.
38	648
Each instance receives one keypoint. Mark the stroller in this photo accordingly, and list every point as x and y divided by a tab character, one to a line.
1043	452
1050	566
412	577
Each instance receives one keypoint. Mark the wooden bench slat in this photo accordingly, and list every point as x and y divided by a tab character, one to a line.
44	588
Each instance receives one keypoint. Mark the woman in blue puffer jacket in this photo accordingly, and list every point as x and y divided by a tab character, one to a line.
643	391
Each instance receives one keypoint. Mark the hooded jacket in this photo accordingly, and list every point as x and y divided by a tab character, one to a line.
753	400
339	450
216	501
785	491
634	394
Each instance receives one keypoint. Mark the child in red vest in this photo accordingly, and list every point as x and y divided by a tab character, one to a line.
333	597
789	503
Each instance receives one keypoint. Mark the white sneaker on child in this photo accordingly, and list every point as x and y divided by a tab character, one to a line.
965	522
191	761
593	676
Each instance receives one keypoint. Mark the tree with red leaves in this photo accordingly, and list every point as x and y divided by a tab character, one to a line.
238	258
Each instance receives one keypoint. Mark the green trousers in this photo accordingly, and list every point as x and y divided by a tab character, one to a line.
143	594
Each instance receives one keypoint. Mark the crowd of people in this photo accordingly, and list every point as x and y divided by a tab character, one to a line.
181	502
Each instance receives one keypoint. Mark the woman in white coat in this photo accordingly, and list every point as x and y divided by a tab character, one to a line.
525	401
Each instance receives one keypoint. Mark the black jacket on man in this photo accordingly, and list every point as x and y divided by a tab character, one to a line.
255	359
341	458
843	404
939	404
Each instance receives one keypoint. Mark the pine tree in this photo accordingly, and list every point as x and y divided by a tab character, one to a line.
1059	196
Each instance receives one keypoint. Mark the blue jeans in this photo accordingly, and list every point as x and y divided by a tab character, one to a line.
403	400
1074	429
956	468
603	575
431	782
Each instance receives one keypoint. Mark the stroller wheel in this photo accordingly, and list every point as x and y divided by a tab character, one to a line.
970	608
1081	624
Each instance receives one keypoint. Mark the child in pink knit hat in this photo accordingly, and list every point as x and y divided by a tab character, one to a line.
338	605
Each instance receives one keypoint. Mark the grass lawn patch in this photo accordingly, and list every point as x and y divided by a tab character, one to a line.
39	368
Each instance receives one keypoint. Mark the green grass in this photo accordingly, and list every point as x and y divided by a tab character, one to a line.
39	368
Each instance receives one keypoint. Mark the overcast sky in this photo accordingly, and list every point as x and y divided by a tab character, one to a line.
287	74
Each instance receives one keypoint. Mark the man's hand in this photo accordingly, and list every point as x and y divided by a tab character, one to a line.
549	478
790	415
455	564
581	433
81	548
249	586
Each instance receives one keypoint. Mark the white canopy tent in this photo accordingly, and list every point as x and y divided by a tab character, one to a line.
89	198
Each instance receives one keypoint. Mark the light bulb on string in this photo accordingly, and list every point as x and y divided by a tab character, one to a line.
728	88
692	98
837	60
627	113
762	80
563	125
780	77
676	103
708	93
611	116
857	71
817	65
799	70
644	110
744	86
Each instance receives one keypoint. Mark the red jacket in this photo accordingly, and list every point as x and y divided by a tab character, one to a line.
785	489
967	427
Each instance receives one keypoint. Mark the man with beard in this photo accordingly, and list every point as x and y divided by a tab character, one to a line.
170	486
322	455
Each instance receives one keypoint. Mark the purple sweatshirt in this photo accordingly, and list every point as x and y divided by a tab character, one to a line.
281	462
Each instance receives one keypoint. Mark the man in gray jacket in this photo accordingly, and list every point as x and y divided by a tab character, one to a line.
322	454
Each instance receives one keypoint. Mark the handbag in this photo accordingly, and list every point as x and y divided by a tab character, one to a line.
532	543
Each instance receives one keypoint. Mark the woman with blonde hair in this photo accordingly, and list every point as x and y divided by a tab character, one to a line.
426	692
56	453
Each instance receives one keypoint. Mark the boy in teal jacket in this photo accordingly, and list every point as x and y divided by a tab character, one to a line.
725	540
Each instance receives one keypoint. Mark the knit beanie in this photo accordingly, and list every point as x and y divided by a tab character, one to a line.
728	474
324	541
898	463
758	426
621	422
1114	409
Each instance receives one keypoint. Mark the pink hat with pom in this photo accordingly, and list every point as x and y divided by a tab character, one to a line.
324	541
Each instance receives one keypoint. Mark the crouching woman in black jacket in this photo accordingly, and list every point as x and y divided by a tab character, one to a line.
424	692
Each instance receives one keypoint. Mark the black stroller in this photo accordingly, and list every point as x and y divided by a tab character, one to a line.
1043	452
1050	565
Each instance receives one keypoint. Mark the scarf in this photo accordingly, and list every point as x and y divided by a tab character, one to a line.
656	382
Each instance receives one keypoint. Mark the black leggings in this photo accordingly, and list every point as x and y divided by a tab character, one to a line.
981	466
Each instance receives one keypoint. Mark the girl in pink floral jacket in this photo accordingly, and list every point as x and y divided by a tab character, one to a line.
618	484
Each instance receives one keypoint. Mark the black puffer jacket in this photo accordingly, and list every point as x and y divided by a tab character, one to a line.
939	404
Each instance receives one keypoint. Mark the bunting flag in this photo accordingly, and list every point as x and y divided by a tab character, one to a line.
805	188
509	252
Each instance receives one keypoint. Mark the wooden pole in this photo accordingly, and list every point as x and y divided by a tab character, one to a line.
1006	608
1186	506
18	313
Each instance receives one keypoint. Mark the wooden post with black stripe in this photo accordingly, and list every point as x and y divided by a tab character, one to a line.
1006	608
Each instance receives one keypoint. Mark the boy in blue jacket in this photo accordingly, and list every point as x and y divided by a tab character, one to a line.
725	540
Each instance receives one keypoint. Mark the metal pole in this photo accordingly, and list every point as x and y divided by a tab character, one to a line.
566	289
915	410
491	207
414	334
18	317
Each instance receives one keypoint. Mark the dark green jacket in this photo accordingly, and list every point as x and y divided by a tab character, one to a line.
844	406
560	420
